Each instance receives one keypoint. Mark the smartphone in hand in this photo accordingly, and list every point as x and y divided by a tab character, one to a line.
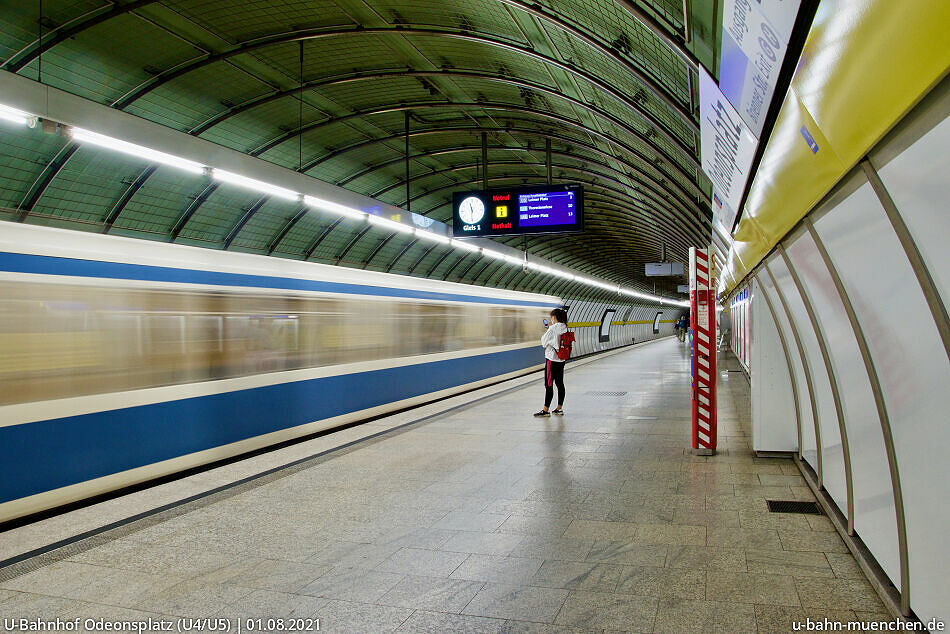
545	323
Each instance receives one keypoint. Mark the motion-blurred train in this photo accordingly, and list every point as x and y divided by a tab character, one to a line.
154	358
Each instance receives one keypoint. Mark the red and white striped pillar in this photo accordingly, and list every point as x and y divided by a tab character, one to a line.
702	298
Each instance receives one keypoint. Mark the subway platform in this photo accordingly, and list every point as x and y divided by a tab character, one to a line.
468	515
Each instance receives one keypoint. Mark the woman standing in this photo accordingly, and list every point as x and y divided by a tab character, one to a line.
553	366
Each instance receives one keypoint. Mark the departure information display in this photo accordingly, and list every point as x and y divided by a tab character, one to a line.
543	209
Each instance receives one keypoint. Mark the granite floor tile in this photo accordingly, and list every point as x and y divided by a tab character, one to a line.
675	535
466	521
482	543
437	623
756	538
510	570
820	523
573	575
773	521
788	562
346	617
777	618
608	611
591	529
552	548
552	527
520	603
267	604
844	566
707	558
839	594
432	593
707	518
813	541
268	574
352	584
419	561
192	597
632	553
663	582
740	587
676	616
345	554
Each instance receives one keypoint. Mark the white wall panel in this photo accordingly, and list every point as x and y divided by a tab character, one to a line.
832	454
914	372
917	182
874	518
774	427
809	447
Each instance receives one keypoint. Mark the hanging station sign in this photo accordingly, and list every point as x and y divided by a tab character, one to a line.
728	146
499	212
755	36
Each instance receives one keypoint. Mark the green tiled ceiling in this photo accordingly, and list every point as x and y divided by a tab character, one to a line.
324	86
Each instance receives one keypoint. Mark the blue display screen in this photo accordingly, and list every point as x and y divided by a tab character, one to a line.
499	212
544	209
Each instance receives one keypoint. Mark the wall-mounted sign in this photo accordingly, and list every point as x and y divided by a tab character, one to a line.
660	269
682	288
754	40
728	146
498	212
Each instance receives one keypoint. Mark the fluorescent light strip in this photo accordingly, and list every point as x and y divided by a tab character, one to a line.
390	224
138	151
15	116
250	183
435	237
465	246
334	208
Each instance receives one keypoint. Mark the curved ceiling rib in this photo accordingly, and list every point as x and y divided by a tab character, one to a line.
453	73
472	148
242	48
506	107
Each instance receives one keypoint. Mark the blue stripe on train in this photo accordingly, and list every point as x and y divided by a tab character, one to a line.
46	455
48	265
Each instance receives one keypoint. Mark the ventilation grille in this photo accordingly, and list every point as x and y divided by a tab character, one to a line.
596	393
793	506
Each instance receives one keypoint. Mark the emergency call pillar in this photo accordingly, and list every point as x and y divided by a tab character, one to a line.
702	298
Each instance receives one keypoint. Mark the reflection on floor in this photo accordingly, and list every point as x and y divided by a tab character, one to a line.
489	520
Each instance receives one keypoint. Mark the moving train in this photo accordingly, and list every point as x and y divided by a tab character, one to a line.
153	358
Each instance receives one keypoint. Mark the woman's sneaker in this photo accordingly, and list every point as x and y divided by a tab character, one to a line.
542	414
558	411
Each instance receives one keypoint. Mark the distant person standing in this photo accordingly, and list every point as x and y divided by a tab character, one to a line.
553	365
682	326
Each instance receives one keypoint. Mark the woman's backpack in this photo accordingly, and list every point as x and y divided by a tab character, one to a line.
564	350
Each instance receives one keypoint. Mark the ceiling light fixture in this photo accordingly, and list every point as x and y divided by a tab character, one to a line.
334	208
250	183
138	151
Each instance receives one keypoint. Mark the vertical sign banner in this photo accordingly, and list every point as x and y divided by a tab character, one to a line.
755	37
728	146
702	297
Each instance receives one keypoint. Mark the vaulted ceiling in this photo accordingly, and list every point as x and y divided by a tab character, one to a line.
328	88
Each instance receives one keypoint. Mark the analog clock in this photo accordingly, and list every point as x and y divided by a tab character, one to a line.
471	210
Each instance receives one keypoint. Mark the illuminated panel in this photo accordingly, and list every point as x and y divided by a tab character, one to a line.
546	209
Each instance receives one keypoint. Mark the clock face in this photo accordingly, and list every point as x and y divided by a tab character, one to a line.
471	210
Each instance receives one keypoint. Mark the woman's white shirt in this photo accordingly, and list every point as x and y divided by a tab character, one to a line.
551	340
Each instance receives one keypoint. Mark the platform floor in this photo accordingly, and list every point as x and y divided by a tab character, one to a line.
485	519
